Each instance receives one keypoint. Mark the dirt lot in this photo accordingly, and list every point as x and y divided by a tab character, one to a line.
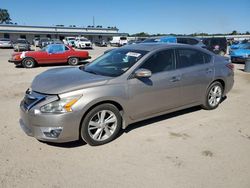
192	148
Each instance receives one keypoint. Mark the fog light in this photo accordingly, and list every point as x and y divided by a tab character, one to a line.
52	132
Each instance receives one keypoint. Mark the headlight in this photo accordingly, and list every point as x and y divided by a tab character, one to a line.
60	106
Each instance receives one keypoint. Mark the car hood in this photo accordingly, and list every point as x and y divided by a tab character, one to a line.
240	52
62	80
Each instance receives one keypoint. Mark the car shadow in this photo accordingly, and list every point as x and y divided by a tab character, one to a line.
54	65
144	123
73	144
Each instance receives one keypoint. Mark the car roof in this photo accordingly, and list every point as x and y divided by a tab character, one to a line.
156	46
189	37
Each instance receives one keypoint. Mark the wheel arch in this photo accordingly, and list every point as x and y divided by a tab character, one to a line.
73	56
28	57
115	103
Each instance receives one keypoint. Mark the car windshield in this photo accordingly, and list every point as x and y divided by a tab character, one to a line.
115	62
84	40
123	38
245	46
4	39
22	41
71	38
44	40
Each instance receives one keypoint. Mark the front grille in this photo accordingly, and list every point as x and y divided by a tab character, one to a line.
87	44
31	99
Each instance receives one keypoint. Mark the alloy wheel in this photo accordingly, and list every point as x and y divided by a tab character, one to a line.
215	95
102	125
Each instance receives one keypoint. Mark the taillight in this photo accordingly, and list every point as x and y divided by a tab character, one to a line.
230	66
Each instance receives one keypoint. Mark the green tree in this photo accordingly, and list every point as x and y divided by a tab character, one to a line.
247	33
234	32
141	34
4	16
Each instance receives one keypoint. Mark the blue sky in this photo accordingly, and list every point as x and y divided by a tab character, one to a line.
132	16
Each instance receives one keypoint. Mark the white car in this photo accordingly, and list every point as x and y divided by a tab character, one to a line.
5	43
83	43
70	41
118	41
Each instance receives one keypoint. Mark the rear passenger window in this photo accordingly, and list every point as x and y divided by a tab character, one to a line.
190	57
182	40
207	58
160	61
192	41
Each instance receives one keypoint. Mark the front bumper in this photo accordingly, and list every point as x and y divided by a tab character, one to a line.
22	48
6	46
16	62
238	59
41	125
85	45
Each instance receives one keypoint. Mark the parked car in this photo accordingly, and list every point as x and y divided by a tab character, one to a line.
121	87
161	39
137	41
241	54
21	45
216	45
101	43
191	41
118	41
238	44
36	41
70	41
55	41
53	53
83	43
43	42
5	43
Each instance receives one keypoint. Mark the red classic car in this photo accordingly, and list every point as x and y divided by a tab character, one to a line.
54	53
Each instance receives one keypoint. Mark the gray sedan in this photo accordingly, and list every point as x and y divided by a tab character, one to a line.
21	45
123	86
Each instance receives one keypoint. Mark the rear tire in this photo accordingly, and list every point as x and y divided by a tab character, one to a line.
28	63
213	96
101	125
73	61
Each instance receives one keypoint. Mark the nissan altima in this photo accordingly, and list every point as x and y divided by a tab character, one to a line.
126	85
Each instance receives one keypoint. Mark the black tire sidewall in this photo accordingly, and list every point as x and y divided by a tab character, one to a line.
207	105
69	61
84	126
24	63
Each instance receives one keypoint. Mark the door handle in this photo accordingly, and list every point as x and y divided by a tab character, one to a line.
175	78
209	70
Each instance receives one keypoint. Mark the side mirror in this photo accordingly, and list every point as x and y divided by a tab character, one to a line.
143	73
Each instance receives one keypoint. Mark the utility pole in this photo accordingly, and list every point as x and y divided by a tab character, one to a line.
94	21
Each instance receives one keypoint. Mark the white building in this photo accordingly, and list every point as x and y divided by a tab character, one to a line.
14	32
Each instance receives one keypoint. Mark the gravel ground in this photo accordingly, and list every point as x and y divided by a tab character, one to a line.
191	148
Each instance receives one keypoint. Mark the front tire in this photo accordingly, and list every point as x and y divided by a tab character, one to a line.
101	125
213	96
28	63
73	61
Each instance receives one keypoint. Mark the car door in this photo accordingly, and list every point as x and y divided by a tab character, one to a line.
197	71
57	54
160	92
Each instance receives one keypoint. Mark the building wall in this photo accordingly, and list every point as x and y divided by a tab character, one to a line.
30	32
30	37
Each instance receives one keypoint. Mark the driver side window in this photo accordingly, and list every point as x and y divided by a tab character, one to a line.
160	61
56	49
